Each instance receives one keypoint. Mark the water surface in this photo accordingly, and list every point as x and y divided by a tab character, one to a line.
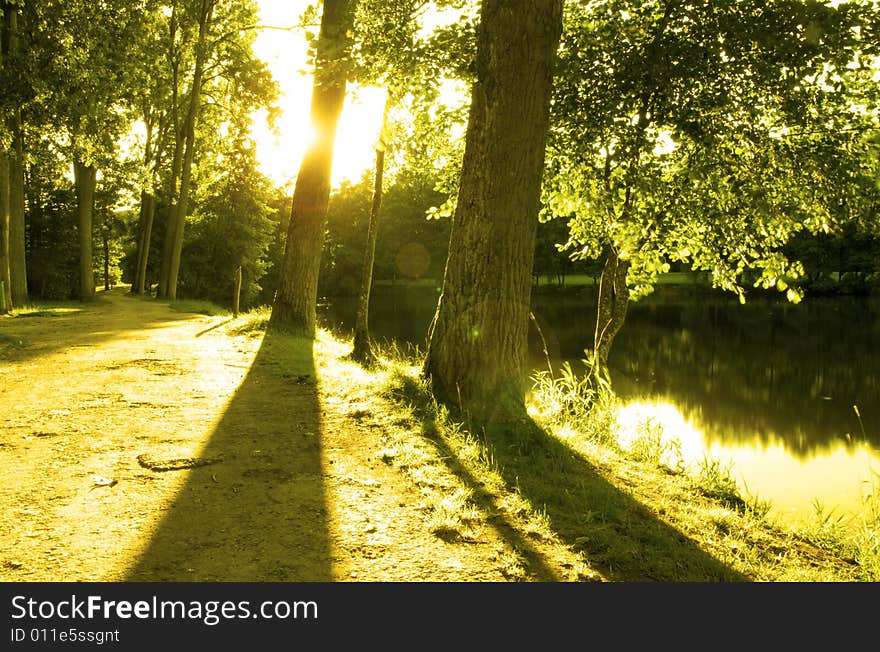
789	395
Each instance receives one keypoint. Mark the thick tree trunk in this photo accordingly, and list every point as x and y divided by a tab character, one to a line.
478	339
362	351
85	178
16	254
178	215
610	311
5	288
294	308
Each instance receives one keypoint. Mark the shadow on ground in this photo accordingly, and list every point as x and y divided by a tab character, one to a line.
260	514
621	538
34	334
618	535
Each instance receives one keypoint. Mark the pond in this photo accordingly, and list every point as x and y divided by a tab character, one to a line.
786	396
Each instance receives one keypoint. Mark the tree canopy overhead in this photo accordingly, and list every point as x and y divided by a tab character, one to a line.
707	134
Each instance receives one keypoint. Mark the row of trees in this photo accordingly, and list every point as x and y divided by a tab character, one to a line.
715	136
79	79
697	133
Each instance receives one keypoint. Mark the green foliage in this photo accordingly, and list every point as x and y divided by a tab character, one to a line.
408	247
708	134
232	226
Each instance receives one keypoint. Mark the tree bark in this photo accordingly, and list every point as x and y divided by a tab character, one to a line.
85	178
478	339
16	251
362	351
294	308
610	311
147	215
105	237
5	284
4	235
180	209
176	160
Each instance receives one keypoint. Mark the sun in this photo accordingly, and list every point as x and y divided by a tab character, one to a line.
279	154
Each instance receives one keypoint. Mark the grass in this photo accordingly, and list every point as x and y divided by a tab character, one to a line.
47	309
251	323
10	343
198	307
850	547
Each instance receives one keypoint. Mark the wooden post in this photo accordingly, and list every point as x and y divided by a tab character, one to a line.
236	290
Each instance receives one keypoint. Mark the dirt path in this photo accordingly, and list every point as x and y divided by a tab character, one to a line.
140	443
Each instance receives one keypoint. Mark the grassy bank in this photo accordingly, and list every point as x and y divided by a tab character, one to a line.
563	485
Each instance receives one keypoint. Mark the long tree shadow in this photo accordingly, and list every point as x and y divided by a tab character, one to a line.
620	537
260	514
31	335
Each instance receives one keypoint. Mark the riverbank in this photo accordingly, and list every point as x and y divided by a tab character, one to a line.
179	446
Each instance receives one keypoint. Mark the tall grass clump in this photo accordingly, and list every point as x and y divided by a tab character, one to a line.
253	322
866	537
714	479
583	403
651	446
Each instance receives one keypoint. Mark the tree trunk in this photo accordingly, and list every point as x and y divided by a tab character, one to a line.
6	298
148	213
106	243
17	253
180	209
5	285
610	311
85	180
362	351
176	160
478	339
294	308
170	224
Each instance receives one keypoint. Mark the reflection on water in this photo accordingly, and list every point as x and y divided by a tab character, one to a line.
769	386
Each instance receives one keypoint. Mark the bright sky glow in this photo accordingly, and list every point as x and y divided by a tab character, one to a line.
280	154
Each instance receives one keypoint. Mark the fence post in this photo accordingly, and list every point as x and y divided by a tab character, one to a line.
236	290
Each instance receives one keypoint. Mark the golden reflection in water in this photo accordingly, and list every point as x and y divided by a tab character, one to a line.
643	418
838	478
